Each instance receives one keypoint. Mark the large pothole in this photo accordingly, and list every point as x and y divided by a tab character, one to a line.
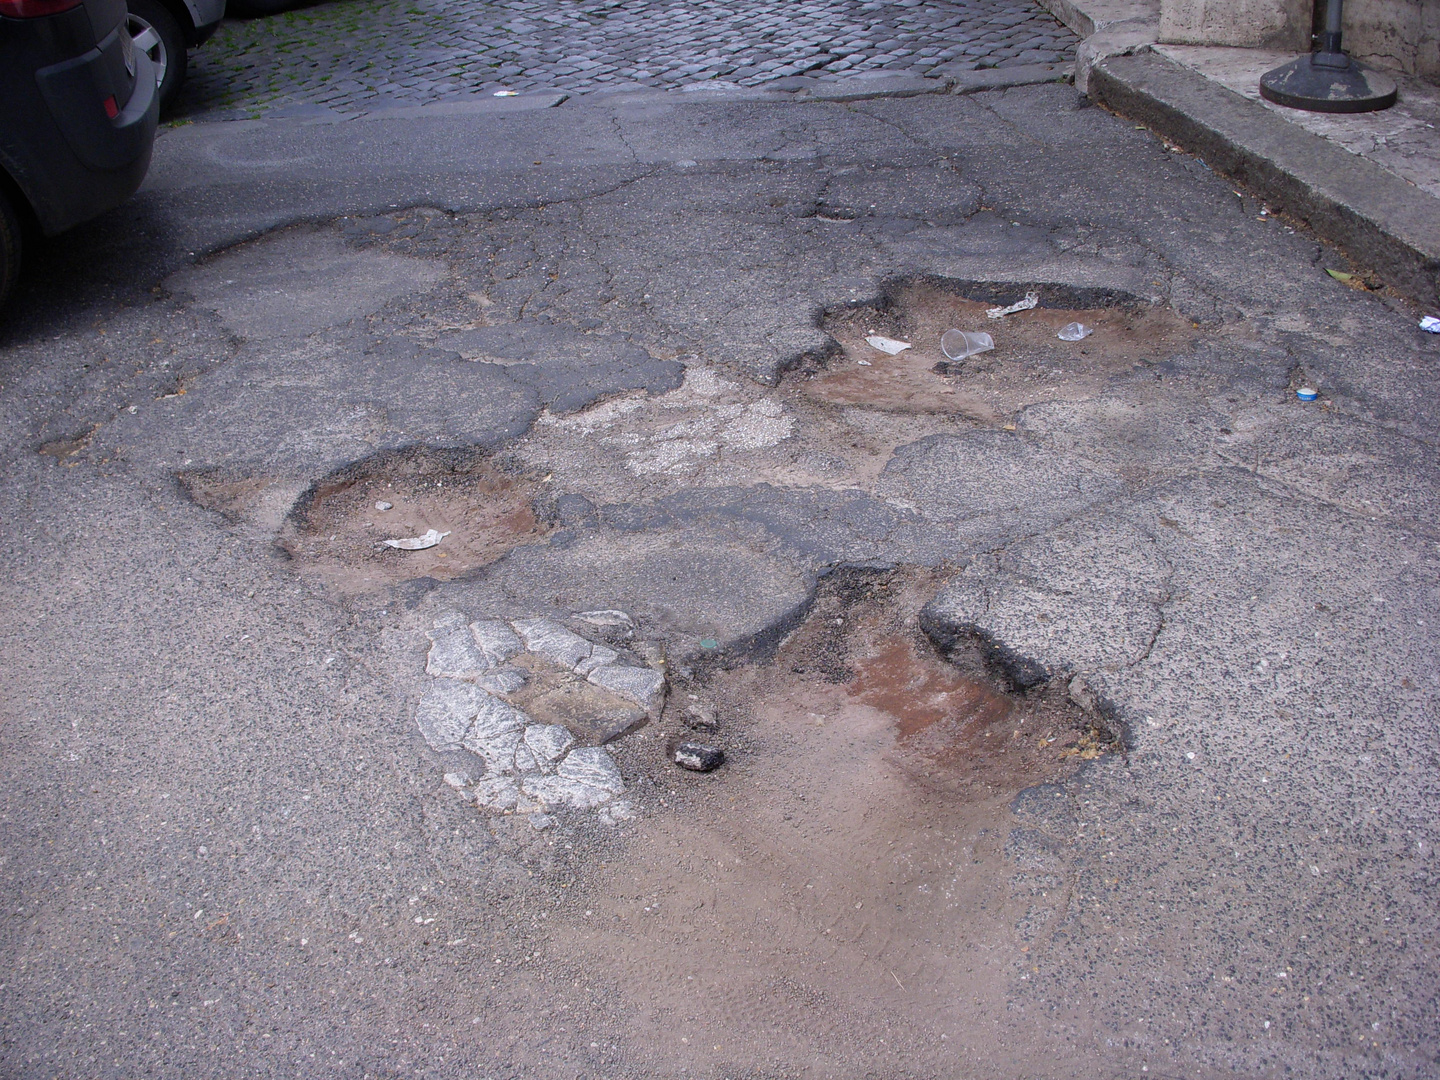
339	527
1029	364
857	857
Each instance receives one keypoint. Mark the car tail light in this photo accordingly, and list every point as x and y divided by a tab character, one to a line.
35	9
112	110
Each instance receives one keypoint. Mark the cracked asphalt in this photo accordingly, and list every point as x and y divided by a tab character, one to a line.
230	852
344	59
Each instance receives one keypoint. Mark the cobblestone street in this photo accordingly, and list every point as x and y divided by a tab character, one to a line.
352	57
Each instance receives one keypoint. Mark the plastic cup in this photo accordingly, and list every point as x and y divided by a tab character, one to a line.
958	344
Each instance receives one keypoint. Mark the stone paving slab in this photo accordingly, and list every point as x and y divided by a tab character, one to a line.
351	59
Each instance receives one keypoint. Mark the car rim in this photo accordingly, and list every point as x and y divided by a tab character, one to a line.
148	41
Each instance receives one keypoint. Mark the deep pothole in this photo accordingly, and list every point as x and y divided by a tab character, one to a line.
858	852
339	527
959	720
1029	363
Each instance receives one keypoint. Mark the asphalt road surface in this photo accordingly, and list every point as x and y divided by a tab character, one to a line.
1080	698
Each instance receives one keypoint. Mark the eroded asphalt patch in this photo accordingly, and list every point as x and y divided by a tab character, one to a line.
1072	681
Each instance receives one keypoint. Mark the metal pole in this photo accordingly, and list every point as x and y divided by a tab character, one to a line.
1330	54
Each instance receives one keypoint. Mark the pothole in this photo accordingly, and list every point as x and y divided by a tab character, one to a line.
856	857
958	723
1029	363
338	528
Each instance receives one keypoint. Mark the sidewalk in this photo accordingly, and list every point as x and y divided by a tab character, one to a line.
1369	183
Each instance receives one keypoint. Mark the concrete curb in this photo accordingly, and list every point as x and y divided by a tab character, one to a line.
1382	221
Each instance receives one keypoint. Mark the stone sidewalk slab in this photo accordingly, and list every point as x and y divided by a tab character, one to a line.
1382	220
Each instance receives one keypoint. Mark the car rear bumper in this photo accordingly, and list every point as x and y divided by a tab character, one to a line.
71	160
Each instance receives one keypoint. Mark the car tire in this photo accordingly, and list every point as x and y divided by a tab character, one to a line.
158	35
9	247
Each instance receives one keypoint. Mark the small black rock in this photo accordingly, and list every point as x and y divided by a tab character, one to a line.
697	757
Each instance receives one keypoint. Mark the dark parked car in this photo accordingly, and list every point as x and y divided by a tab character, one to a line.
164	29
78	121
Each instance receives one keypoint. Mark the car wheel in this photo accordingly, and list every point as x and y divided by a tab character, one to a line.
157	34
9	247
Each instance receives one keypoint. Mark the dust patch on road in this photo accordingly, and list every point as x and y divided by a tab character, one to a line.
839	894
338	527
1028	365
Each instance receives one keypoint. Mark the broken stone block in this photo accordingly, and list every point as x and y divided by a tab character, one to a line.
493	716
497	748
446	712
609	619
594	766
700	715
496	733
599	654
548	742
557	791
540	821
496	793
445	622
697	757
502	682
594	715
454	655
644	686
547	638
496	640
525	760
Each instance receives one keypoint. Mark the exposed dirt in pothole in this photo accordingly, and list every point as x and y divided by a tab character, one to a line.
1029	364
838	899
338	527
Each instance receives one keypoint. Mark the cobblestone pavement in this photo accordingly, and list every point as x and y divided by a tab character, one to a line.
354	57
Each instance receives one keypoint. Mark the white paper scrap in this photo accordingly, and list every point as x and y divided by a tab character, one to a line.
417	543
1031	300
887	345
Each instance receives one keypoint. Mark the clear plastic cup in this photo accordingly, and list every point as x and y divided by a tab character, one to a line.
958	344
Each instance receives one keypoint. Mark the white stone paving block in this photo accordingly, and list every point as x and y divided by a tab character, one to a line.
555	791
502	682
599	655
447	710
644	686
547	638
445	622
496	793
496	640
594	766
548	742
454	655
498	750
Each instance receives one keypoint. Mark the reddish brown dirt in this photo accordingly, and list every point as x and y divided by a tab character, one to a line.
836	900
337	533
1028	365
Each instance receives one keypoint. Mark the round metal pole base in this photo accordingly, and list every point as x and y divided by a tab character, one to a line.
1334	84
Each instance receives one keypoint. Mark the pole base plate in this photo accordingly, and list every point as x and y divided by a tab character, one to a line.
1345	87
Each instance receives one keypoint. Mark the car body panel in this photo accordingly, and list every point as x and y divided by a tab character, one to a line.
205	16
69	159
